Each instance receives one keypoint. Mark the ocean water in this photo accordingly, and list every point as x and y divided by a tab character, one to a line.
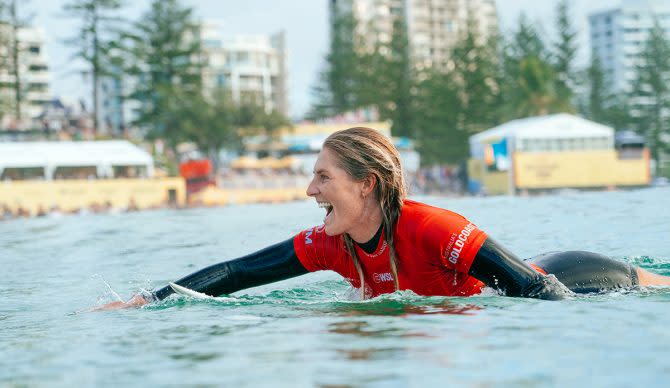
311	331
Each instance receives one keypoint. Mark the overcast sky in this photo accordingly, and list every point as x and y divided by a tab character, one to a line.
305	23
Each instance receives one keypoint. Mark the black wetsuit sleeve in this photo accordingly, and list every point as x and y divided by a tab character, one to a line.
500	269
272	264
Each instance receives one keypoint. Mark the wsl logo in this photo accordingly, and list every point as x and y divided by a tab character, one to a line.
460	243
382	277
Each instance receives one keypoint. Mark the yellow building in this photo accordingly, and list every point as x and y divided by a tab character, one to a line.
553	152
69	176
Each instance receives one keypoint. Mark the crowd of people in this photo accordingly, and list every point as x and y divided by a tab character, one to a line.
11	213
440	180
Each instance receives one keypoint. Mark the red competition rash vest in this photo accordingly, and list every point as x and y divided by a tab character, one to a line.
434	247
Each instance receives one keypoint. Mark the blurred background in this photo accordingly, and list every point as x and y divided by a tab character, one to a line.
108	105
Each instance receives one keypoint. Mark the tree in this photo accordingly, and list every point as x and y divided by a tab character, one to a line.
529	80
165	60
11	24
596	107
397	86
603	105
335	91
565	50
440	137
475	71
209	122
92	46
651	92
4	42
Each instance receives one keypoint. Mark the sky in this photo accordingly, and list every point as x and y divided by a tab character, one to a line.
304	21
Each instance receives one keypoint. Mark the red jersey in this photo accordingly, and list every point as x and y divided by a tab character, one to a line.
434	249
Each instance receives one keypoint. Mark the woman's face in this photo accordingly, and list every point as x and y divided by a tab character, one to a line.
337	192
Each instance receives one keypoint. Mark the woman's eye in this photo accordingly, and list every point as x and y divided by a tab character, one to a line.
324	177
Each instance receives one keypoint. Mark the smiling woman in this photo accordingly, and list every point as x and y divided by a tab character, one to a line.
382	242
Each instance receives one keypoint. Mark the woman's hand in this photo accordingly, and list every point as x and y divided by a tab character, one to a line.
547	288
136	301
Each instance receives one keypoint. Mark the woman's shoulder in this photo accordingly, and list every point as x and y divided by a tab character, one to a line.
417	209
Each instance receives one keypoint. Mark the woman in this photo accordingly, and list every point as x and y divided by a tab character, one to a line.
382	242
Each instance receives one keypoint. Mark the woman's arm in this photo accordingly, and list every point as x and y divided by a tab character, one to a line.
501	269
272	264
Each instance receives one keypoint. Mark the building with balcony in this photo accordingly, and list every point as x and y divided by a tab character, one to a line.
618	36
433	26
251	68
33	79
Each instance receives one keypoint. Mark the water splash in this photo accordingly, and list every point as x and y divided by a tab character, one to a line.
109	288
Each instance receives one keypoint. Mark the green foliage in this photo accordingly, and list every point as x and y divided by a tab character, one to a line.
5	103
651	92
529	78
397	81
439	135
476	72
165	59
565	50
10	23
452	105
357	76
92	42
336	90
604	106
208	122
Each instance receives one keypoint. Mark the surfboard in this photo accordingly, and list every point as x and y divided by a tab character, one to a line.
188	292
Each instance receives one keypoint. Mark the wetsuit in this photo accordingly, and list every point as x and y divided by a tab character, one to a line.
438	252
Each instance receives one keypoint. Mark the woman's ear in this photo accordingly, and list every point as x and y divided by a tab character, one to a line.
369	184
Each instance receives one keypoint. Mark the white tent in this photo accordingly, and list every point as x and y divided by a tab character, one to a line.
558	132
103	155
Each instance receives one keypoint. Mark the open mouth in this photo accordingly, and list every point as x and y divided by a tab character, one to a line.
327	206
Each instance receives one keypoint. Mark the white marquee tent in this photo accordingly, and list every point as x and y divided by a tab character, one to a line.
558	132
104	156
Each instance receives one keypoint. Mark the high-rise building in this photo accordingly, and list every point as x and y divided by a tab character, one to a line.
251	68
33	79
433	26
618	35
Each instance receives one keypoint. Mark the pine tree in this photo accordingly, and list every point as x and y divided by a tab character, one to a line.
10	24
476	73
335	91
165	59
565	50
529	78
603	105
439	135
209	122
4	60
597	105
651	92
92	41
396	82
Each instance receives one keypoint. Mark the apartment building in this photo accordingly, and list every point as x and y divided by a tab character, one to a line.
433	26
618	36
33	79
251	68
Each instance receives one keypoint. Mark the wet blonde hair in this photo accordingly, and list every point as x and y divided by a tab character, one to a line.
364	152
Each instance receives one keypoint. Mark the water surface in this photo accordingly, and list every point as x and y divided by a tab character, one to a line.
310	331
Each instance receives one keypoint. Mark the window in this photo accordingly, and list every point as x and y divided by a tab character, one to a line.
83	172
22	173
130	171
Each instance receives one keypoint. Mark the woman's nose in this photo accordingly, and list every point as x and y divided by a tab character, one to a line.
311	189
